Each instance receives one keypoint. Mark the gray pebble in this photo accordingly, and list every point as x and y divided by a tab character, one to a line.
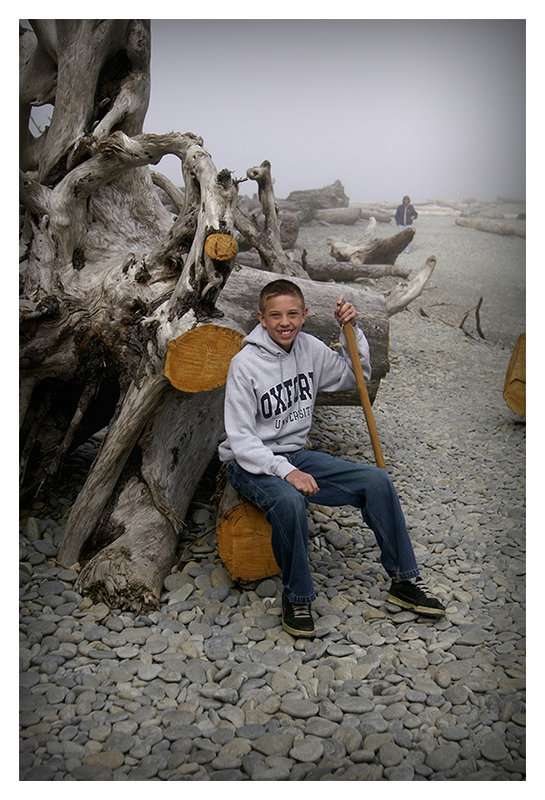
308	750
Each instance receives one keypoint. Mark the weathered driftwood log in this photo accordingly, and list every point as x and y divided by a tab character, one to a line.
174	449
368	249
398	298
267	241
339	216
239	298
491	226
337	271
288	225
244	539
380	216
344	271
200	276
147	516
309	200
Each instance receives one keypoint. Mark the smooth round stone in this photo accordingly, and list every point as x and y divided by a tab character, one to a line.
218	647
353	704
350	737
415	659
156	644
221	693
471	635
455	733
299	709
493	747
327	622
46	548
267	588
415	697
390	755
148	672
51	588
309	750
340	650
127	651
443	757
274	744
395	711
316	726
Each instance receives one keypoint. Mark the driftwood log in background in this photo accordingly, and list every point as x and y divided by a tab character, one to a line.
341	272
491	226
338	271
339	216
368	249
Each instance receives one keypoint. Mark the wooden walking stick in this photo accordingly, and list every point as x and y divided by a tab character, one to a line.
352	346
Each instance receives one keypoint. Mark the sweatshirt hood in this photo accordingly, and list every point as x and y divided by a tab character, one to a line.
259	337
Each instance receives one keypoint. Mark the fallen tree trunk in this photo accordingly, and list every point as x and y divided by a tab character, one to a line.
370	250
339	216
333	270
340	272
380	216
305	202
490	226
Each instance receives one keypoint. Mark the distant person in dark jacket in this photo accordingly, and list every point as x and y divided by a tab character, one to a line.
405	216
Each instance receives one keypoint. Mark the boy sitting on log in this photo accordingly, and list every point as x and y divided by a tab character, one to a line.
269	399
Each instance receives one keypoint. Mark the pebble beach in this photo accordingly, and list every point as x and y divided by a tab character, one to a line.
210	688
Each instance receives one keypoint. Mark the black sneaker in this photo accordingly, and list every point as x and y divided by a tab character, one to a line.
415	596
297	618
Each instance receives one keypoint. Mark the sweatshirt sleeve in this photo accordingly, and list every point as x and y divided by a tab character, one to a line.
337	372
240	425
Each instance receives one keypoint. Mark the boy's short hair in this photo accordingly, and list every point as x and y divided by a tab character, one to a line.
278	287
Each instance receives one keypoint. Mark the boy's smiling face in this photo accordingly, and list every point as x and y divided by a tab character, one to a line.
283	318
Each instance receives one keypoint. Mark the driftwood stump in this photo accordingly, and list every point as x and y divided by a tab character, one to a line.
368	249
244	539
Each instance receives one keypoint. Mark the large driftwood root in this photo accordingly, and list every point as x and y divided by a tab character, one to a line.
129	573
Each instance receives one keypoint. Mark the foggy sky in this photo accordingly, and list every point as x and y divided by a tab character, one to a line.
429	108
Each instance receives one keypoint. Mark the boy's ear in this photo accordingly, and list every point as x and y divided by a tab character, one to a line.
305	312
261	318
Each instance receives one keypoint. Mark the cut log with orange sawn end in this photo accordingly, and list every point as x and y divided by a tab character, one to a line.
220	246
514	388
199	359
244	539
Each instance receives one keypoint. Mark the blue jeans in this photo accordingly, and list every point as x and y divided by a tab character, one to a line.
340	483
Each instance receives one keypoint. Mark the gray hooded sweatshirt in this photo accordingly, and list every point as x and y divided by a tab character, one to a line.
270	396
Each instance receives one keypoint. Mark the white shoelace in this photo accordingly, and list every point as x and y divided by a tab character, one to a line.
300	611
424	589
